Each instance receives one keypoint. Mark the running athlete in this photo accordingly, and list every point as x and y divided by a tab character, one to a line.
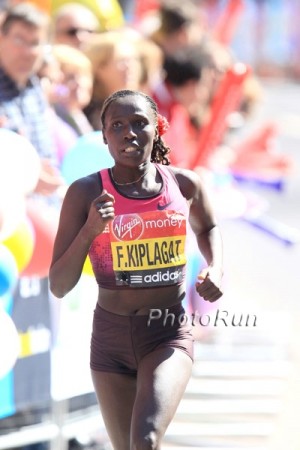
132	220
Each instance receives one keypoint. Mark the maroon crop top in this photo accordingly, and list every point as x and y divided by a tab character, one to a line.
144	246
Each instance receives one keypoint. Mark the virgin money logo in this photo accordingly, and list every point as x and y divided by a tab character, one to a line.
128	227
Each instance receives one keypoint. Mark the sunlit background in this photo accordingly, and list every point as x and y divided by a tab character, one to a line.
245	391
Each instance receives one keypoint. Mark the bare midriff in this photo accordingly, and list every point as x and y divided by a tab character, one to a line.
140	301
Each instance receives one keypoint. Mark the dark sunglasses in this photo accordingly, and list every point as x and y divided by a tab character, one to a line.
74	31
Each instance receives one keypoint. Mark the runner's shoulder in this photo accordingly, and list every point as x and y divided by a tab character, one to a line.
85	188
189	181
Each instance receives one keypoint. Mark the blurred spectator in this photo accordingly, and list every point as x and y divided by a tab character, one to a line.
75	90
184	96
73	24
179	24
220	59
51	78
177	94
3	7
152	64
116	65
191	75
50	74
252	94
23	107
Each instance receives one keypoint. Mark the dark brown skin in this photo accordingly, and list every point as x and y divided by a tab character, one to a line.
86	211
136	409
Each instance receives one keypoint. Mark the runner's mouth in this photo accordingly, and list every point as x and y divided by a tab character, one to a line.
131	149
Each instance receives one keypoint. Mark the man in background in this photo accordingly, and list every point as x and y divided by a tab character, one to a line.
23	108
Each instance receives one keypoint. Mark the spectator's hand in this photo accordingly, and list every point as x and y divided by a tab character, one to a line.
49	180
208	286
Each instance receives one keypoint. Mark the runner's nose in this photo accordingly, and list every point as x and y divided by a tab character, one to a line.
129	132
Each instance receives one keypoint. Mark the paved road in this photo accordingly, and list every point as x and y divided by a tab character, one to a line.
235	397
245	388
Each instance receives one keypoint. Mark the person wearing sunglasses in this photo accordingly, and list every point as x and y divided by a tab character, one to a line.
73	24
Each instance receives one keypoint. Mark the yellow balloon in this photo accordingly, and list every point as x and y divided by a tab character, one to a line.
108	12
87	267
21	243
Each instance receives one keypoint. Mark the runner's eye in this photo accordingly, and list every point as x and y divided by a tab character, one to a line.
116	124
141	123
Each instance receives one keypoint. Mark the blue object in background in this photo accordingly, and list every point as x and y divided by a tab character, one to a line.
7	404
8	270
89	155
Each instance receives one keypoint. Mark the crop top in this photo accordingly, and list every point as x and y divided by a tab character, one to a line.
145	244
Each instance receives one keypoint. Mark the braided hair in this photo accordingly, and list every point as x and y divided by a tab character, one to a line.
160	150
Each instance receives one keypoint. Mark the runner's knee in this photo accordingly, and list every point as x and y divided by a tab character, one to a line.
150	441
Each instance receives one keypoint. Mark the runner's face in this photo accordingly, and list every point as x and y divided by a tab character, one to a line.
130	130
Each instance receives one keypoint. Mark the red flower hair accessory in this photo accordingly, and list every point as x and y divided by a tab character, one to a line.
162	124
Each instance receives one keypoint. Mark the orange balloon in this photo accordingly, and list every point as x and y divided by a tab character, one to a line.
44	5
45	222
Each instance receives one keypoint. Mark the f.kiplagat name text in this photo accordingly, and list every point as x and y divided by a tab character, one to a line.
215	319
137	254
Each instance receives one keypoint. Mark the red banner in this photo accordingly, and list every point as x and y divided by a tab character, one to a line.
226	25
225	102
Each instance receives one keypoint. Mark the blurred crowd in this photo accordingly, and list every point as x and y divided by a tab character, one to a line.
57	66
60	59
